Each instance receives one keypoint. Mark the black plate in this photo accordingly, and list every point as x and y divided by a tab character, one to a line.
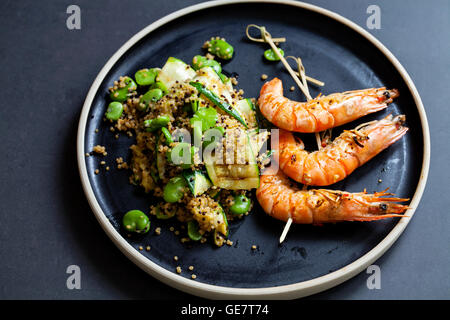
331	52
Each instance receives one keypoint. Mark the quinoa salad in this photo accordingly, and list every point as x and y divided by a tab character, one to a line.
199	148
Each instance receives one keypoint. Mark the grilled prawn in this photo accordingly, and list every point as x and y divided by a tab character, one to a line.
281	199
323	112
337	160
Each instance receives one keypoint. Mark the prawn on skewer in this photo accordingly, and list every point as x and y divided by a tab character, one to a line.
337	160
323	112
281	199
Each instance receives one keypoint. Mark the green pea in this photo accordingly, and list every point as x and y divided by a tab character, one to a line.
179	151
220	48
193	230
270	55
146	77
241	205
150	97
114	111
136	221
151	125
174	189
122	94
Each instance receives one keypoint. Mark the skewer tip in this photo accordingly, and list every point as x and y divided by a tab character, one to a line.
285	230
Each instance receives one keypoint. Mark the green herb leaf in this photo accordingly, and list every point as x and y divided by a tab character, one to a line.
218	102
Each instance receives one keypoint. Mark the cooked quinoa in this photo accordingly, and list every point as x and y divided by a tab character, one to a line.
150	164
99	149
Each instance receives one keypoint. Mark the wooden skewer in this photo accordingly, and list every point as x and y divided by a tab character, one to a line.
285	230
315	81
301	72
263	39
266	37
289	69
303	85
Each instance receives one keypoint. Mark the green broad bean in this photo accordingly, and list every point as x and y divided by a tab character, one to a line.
114	110
207	116
241	205
146	77
270	55
125	87
150	97
136	221
220	48
174	189
215	66
193	230
151	125
199	62
160	85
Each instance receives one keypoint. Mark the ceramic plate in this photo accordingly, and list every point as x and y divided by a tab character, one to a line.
312	258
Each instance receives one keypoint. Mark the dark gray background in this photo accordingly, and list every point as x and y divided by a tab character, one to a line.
45	221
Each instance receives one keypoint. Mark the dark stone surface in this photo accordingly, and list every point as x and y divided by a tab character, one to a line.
45	221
